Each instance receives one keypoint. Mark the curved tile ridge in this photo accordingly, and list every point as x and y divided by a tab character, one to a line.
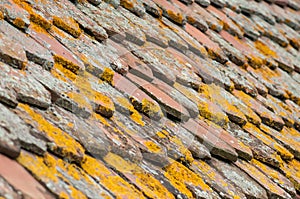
149	99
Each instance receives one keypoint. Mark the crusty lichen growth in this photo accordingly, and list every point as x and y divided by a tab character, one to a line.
117	185
34	16
63	144
18	22
149	108
150	186
67	64
108	76
176	17
264	49
44	169
207	112
1	15
128	4
67	24
179	176
134	114
152	146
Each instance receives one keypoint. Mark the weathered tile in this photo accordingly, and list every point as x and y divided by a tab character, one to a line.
216	146
11	171
266	115
34	51
135	7
213	49
177	96
24	87
170	106
240	179
242	150
276	177
9	145
150	186
16	57
18	131
152	8
272	189
291	171
61	178
140	100
232	53
212	22
191	17
267	140
109	179
60	142
104	13
171	12
188	182
153	33
207	109
228	24
223	99
204	3
7	190
243	22
15	14
197	149
215	180
260	151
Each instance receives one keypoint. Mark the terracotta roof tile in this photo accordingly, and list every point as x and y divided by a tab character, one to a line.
149	99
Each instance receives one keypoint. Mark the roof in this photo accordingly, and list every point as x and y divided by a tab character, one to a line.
149	99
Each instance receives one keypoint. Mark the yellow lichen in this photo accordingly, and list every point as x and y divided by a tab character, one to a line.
19	23
179	176
207	112
177	17
63	144
34	17
150	186
100	118
154	148
67	24
266	139
151	109
264	49
108	76
134	114
128	4
76	194
67	64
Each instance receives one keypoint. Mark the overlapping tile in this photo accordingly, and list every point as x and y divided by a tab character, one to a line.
150	99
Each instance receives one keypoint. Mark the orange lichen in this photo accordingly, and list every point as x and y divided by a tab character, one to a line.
151	109
67	64
67	24
266	139
100	119
134	114
264	49
76	194
271	172
34	17
177	17
36	165
179	176
1	15
152	147
108	76
63	144
151	187
19	23
128	4
209	113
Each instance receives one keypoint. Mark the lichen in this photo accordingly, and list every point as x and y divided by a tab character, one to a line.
151	109
19	22
67	64
67	24
264	49
179	176
176	17
152	147
63	144
128	4
150	186
108	76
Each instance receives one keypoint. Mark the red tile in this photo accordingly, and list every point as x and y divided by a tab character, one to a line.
21	180
171	106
